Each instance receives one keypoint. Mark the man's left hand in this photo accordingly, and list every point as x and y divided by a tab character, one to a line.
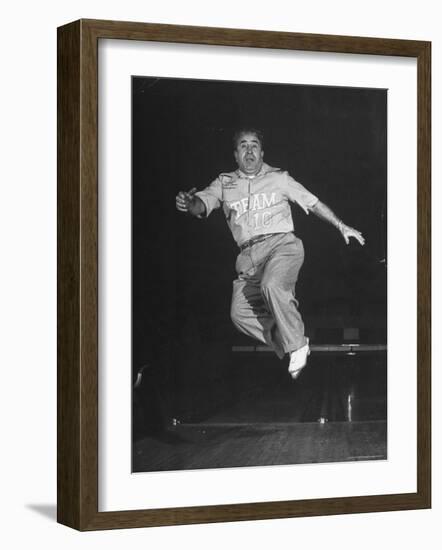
348	232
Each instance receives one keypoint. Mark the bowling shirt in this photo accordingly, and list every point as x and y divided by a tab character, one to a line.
256	205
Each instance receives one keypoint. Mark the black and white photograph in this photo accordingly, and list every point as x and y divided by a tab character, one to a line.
259	274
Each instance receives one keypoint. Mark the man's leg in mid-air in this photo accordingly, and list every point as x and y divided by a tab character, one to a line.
278	285
250	315
263	302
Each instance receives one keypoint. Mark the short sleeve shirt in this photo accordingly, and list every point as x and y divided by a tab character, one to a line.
256	205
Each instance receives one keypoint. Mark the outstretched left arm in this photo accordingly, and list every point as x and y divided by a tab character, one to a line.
323	211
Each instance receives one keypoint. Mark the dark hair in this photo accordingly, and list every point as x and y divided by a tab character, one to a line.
247	130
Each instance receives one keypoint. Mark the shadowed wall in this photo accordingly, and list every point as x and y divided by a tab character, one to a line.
332	140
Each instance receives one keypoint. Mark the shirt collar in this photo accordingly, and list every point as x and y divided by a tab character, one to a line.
265	168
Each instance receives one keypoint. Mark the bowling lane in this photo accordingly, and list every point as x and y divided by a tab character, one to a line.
335	412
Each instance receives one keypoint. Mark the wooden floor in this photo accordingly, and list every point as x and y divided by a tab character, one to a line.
228	445
335	412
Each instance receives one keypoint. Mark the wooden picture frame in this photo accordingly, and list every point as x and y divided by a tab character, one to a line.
78	274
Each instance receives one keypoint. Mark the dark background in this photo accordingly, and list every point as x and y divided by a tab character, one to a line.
333	140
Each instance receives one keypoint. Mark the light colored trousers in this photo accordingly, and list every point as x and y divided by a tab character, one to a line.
264	305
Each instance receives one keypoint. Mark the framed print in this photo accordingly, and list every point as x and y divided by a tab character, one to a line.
243	275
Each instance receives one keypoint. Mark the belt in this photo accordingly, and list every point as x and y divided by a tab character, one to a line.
254	240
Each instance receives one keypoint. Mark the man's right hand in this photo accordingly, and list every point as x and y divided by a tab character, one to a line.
185	200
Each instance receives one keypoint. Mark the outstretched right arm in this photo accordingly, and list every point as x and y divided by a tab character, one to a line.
200	204
186	201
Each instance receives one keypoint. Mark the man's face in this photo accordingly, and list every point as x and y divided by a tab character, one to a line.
248	153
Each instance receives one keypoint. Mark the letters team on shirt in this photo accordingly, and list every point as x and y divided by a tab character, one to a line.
256	205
